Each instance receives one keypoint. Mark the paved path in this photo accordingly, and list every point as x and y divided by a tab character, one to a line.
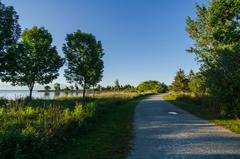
160	135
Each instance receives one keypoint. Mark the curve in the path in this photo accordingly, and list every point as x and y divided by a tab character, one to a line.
163	135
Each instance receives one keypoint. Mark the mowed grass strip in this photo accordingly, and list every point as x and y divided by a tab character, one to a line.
204	112
109	137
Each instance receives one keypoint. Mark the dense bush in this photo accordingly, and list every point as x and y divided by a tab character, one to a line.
25	129
152	86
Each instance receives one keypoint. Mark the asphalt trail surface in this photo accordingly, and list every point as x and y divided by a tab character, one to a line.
163	131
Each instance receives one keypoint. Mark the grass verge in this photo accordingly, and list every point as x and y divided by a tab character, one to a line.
109	137
201	110
39	128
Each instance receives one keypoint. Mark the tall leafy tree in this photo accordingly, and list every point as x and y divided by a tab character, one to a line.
9	32
180	83
34	60
197	84
216	32
190	75
84	60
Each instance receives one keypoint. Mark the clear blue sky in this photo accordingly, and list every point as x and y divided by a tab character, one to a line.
142	39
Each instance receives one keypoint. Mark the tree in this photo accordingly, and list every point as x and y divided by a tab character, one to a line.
180	83
216	33
71	88
9	32
163	88
35	60
84	60
170	88
108	88
99	87
190	75
66	90
128	87
57	87
152	86
47	88
76	87
197	84
117	85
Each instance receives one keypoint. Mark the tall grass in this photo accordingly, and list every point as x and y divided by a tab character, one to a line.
204	107
29	128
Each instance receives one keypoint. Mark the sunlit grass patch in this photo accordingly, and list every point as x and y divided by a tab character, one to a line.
197	107
37	128
109	137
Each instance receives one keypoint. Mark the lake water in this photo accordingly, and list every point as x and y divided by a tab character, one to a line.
14	94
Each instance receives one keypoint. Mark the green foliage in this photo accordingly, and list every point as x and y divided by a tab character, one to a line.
128	88
196	84
66	90
152	86
76	87
57	87
29	128
110	137
84	59
180	83
71	88
117	85
202	106
33	60
190	75
120	88
9	32
216	33
33	129
47	88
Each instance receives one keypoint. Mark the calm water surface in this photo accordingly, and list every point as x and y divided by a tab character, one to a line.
14	94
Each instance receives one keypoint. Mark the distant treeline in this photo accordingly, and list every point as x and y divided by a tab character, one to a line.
146	86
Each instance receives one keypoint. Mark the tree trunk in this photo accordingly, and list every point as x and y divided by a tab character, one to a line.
30	91
84	95
93	92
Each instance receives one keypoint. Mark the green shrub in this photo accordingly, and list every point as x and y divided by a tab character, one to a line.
152	86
